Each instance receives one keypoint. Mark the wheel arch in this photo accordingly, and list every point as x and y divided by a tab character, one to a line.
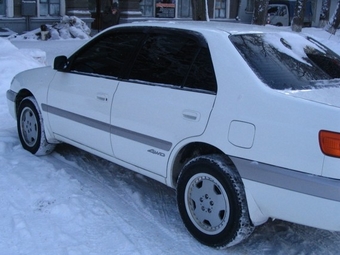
196	149
200	217
20	96
188	152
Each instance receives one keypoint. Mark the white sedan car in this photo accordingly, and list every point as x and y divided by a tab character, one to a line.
243	121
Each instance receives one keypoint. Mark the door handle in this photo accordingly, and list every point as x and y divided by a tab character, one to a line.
191	115
102	97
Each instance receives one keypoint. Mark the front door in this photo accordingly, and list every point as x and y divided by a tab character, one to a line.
80	97
79	109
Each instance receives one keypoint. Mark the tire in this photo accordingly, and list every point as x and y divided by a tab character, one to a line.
212	203
31	129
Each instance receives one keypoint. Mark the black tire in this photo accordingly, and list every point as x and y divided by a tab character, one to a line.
212	203
31	129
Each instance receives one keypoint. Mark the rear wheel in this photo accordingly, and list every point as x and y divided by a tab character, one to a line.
31	129
212	203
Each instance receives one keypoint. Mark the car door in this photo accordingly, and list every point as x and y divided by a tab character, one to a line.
167	97
80	97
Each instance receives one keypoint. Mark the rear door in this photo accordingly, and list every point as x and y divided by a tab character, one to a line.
167	97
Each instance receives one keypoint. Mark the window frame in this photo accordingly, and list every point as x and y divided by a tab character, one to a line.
74	57
48	4
130	60
196	36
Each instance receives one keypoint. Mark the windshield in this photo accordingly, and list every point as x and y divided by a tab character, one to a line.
289	61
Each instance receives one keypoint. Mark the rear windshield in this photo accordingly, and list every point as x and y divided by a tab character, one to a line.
289	61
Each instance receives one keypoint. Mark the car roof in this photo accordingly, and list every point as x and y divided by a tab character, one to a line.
201	26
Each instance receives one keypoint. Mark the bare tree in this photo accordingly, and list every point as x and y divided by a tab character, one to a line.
199	10
260	12
334	22
324	14
299	15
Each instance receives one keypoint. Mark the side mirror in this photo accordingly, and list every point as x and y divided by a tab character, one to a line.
60	63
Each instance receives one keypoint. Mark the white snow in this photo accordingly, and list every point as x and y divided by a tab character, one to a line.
67	28
74	203
293	40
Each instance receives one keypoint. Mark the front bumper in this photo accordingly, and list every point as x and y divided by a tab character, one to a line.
11	97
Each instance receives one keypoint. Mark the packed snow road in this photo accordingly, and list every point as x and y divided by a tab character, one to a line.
72	202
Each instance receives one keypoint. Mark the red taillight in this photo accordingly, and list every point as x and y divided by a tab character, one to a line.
330	143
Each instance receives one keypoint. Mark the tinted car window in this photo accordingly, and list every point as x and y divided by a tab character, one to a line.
201	74
174	59
282	66
107	55
164	59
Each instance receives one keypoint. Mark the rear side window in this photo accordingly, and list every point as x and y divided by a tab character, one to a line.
287	61
107	55
201	74
173	59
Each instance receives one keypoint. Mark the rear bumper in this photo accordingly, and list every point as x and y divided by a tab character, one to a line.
290	195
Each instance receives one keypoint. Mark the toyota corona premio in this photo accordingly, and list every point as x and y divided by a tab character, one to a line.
243	121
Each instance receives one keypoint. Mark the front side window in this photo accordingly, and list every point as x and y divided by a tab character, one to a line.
287	61
107	55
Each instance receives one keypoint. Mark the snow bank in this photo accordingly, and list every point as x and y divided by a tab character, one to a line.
69	27
12	56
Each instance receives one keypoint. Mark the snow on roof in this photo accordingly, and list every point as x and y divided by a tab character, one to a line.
230	27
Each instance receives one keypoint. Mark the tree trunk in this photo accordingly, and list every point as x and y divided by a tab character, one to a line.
260	12
324	15
199	10
299	15
334	22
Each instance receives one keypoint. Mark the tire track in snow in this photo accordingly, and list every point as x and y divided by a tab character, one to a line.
156	204
151	205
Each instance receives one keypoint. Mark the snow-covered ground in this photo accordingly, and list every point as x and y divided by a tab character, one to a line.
74	203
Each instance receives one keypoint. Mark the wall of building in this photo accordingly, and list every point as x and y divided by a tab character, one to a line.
19	20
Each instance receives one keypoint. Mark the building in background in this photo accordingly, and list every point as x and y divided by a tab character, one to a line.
23	15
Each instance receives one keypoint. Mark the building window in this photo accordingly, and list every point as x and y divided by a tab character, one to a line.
220	9
184	9
250	6
49	7
168	8
147	7
165	8
2	7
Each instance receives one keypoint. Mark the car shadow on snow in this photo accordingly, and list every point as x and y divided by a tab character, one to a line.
156	203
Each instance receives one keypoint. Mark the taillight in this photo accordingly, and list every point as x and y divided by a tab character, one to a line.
330	143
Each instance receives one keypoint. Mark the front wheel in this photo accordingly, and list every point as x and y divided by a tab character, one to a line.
31	129
211	200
